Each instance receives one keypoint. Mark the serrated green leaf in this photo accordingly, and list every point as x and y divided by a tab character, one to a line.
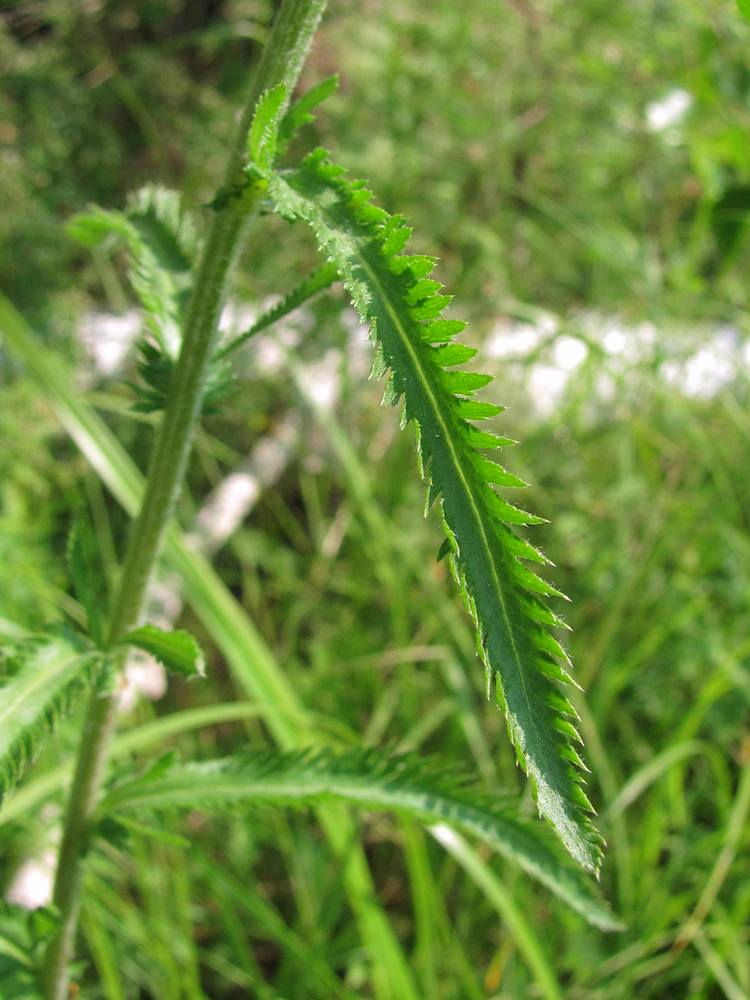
161	241
177	650
156	367
264	130
164	225
39	681
154	287
300	112
404	311
92	227
319	280
406	784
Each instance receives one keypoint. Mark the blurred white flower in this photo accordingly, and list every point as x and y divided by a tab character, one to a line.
142	675
547	385
509	339
320	382
359	345
669	110
31	886
706	372
236	317
569	353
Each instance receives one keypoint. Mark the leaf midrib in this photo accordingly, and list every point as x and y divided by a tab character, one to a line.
476	516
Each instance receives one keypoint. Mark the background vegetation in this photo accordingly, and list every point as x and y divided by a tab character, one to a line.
583	171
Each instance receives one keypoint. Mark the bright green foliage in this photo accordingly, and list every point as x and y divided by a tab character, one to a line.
407	784
394	293
177	650
40	679
155	367
161	243
23	936
263	135
165	226
300	112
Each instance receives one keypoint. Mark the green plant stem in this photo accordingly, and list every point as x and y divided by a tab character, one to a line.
281	62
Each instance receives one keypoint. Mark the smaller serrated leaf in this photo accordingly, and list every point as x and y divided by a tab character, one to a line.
300	112
453	354
465	383
168	229
320	279
24	935
39	679
264	130
475	409
160	290
442	330
156	369
445	549
177	650
410	785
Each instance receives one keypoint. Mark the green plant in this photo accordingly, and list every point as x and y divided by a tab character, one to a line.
184	371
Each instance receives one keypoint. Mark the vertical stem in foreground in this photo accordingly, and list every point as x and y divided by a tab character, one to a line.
281	62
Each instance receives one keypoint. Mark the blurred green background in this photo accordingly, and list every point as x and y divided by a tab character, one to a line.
583	172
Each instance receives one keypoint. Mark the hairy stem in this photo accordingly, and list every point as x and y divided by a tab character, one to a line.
281	62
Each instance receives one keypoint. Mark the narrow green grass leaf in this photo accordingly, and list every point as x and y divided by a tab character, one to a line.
404	311
526	936
85	574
